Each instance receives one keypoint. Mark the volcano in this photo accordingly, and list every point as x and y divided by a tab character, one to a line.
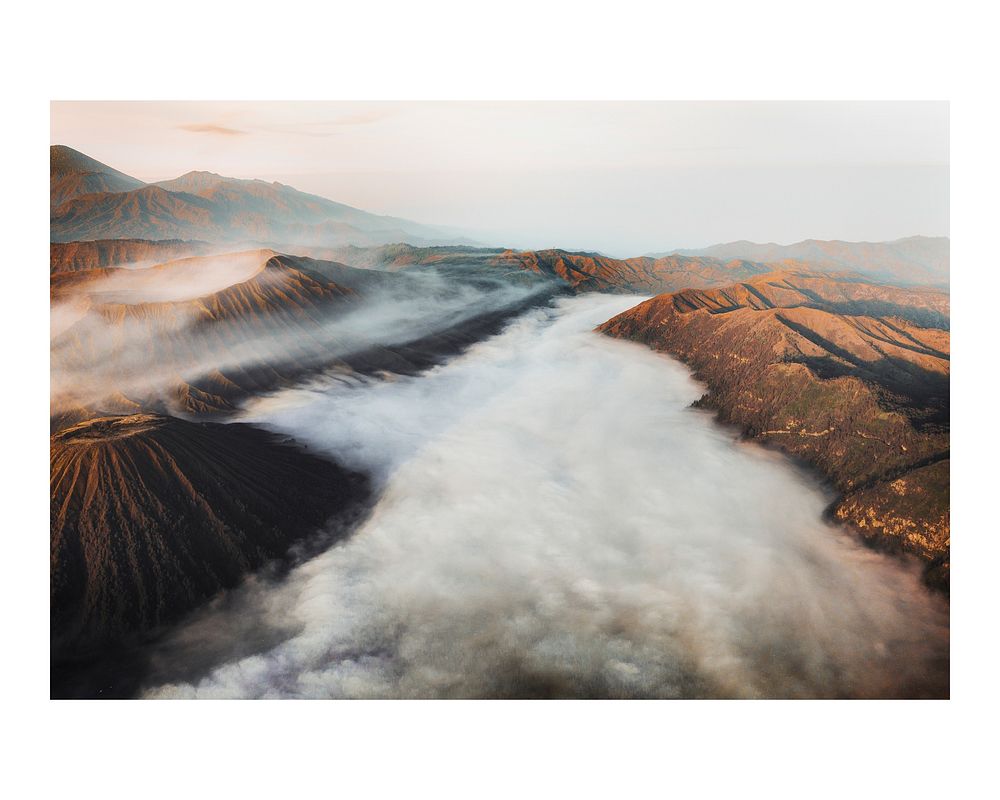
200	334
153	515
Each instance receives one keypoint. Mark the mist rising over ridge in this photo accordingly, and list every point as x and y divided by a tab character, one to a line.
199	334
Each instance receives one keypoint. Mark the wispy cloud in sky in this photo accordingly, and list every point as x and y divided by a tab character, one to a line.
205	127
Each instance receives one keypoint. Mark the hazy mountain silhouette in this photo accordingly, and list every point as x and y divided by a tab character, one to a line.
72	174
915	260
89	200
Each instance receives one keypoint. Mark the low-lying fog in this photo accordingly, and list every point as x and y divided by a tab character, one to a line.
179	280
556	520
145	354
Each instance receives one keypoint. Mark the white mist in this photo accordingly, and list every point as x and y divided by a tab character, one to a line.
555	520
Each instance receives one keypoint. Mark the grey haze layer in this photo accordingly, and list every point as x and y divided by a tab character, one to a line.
556	521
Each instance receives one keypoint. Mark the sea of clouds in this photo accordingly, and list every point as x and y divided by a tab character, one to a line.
556	520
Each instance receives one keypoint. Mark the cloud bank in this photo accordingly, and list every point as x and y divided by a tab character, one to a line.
556	521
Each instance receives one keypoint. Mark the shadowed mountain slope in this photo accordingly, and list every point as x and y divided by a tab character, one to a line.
151	516
836	373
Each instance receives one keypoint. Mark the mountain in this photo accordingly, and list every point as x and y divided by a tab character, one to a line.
581	272
198	335
204	330
74	256
72	174
915	260
260	204
107	204
147	213
396	256
589	272
850	377
152	515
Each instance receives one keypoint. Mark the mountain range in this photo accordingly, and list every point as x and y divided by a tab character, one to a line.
912	261
580	272
173	303
90	200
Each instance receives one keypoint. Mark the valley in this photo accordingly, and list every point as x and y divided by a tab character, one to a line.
502	470
554	519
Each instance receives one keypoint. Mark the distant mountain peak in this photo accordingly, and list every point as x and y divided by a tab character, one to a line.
210	207
72	174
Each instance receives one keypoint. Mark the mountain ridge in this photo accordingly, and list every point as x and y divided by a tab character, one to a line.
863	399
73	174
206	206
208	342
916	260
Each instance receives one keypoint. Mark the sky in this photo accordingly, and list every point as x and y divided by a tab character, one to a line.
621	178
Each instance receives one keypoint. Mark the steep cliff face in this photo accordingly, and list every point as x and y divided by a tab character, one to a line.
152	515
796	362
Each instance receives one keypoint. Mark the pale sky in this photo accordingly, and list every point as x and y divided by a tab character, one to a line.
623	178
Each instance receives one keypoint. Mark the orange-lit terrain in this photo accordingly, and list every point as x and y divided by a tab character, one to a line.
849	376
90	201
71	256
176	306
